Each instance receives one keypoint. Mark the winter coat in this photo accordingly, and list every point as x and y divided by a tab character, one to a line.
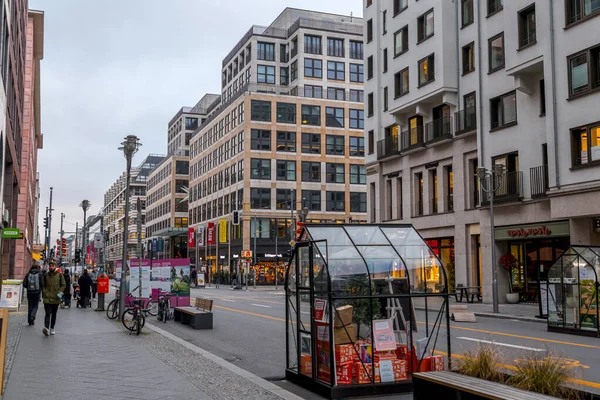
68	284
53	284
85	286
32	271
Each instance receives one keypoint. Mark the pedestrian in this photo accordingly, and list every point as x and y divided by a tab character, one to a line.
53	287
66	300
194	277
85	288
94	276
33	284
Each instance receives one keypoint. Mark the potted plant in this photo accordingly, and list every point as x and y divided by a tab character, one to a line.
508	262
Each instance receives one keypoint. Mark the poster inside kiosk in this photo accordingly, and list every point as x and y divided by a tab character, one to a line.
12	290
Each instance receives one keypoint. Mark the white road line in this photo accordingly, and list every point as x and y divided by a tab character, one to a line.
231	301
260	305
500	344
304	312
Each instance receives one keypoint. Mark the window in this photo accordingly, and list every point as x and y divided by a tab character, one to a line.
260	168
467	14
384	22
311	143
335	93
369	2
503	110
426	70
182	167
399	6
313	91
286	170
265	74
370	106
294	70
357	119
358	202
542	98
527	26
336	201
283	198
356	50
336	70
312	44
357	73
385	98
311	115
241	113
578	10
371	142
334	145
584	71
334	117
401	83
286	141
425	26
385	60
286	113
401	41
494	6
335	47
335	173
496	52
311	171
240	142
357	146
468	58
369	31
260	139
260	110
265	51
358	174
586	144
260	198
284	75
370	67
312	199
357	96
449	188
313	68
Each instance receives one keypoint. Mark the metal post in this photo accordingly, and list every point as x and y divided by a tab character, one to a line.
62	233
50	219
276	257
46	241
76	239
229	251
254	257
139	244
494	266
100	306
125	237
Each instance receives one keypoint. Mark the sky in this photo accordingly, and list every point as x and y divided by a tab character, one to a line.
112	68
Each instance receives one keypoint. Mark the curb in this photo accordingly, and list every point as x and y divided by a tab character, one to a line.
507	316
264	384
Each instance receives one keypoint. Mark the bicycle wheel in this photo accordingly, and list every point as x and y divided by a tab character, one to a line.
140	323
129	319
152	308
112	311
166	310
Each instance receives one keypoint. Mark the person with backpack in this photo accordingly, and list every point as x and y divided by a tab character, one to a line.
53	286
33	284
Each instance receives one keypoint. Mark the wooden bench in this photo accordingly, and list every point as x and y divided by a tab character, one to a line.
199	317
450	385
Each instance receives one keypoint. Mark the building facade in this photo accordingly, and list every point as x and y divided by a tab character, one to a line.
456	86
286	135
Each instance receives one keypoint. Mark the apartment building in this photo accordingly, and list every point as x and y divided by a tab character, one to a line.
455	86
286	135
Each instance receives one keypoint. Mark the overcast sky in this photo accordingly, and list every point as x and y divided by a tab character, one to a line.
114	67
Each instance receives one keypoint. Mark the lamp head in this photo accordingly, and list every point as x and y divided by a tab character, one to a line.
85	205
481	172
130	145
499	169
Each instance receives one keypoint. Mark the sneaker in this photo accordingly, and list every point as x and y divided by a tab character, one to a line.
45	331
52	331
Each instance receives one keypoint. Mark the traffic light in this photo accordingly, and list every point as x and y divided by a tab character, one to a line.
273	232
45	222
77	256
235	217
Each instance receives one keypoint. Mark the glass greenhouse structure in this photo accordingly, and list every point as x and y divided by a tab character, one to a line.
572	294
365	306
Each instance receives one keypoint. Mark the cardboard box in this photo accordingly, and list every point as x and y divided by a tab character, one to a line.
306	364
344	353
399	367
344	335
364	373
343	373
423	365
357	346
385	355
437	363
343	316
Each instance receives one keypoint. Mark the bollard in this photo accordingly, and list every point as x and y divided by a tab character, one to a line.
100	302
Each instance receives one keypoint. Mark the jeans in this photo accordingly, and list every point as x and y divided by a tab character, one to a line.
33	301
51	310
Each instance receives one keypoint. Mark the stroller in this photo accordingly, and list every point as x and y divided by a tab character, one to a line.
78	299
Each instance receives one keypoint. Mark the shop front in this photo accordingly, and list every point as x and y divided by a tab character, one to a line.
535	247
269	269
443	248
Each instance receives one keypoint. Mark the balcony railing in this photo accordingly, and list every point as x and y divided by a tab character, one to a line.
465	121
387	147
494	6
411	139
538	180
509	188
438	129
527	39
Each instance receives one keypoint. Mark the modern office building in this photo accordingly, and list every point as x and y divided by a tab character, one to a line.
455	86
287	134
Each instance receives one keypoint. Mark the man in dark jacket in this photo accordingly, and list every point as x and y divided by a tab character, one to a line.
33	284
53	286
66	300
85	288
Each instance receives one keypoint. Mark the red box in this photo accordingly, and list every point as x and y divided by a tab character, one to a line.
344	353
385	355
343	373
437	363
402	352
364	372
423	365
306	364
399	367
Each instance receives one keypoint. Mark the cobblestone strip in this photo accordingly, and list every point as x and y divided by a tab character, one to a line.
16	321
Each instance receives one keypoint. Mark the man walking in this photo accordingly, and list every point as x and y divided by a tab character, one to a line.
52	288
94	276
33	284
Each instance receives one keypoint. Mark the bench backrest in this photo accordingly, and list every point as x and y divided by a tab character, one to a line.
204	304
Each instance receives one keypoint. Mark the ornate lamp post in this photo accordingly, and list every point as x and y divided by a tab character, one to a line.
85	205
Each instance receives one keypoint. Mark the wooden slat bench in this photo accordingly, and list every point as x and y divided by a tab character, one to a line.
199	317
450	385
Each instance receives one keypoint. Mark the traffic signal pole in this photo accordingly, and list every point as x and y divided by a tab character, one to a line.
50	218
62	234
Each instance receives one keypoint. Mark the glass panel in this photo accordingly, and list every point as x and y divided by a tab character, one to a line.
380	260
366	235
579	73
305	310
509	108
291	275
303	267
292	362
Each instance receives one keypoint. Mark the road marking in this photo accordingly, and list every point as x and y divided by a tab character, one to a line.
259	305
253	314
229	300
499	344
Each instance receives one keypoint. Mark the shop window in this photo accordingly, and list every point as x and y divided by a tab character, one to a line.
585	145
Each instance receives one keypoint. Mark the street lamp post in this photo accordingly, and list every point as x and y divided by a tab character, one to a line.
129	147
490	181
85	205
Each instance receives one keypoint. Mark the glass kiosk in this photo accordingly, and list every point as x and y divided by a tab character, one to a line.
572	292
365	306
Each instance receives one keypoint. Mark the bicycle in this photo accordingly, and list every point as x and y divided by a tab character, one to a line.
133	319
112	311
164	307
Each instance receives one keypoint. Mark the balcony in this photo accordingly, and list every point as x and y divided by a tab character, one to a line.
509	189
387	147
465	121
538	180
412	139
438	129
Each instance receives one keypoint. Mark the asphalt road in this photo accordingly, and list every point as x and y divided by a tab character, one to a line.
249	330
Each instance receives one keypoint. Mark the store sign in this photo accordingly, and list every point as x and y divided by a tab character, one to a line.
200	236
11	233
246	254
210	236
191	237
269	255
223	231
516	232
541	231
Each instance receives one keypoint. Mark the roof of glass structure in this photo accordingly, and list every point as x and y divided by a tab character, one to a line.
577	256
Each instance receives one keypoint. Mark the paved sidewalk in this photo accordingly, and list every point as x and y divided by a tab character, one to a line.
522	312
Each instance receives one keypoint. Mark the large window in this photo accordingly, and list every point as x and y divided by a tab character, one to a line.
294	71
334	93
313	68
586	144
311	171
260	168
527	34
467	12
581	9
357	146
336	70
313	91
182	167
369	31
496	52
425	26
426	70
399	6
357	96
286	113
311	115
312	44
311	199
283	199
369	67
356	50
286	141
357	119
503	110
286	170
334	117
334	145
284	75
336	201
370	105
401	83
335	173
260	110
358	174
358	202
265	51
311	143
335	47
260	139
260	198
584	71
265	74
494	6
401	41
468	58
357	73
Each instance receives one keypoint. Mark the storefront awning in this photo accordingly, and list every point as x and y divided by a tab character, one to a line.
171	232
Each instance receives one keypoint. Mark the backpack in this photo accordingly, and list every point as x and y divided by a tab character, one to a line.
33	283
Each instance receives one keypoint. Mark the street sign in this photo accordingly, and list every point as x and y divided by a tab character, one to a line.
11	233
292	243
246	254
98	241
